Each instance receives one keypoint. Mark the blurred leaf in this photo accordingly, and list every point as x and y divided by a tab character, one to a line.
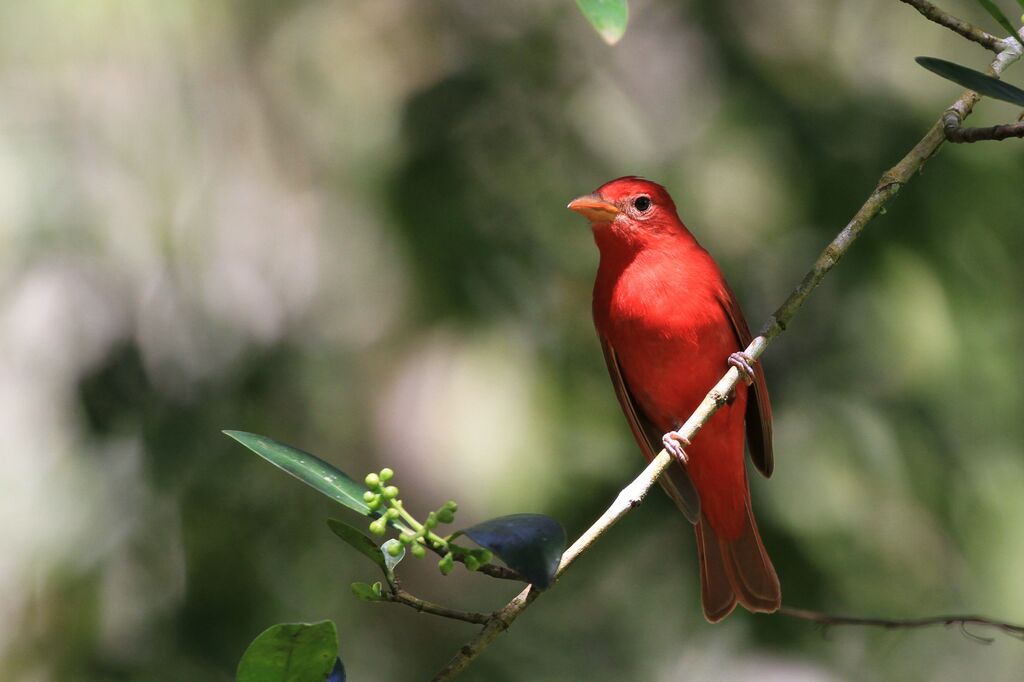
363	544
981	83
998	15
338	673
608	17
391	561
367	592
308	468
530	544
288	652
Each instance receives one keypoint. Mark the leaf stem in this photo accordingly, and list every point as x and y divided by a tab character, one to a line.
415	525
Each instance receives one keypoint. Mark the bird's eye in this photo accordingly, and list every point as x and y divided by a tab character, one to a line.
642	203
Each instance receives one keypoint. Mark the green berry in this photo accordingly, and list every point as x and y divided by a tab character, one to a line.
369	496
375	504
377	527
431	521
390	493
406	538
392	513
386	474
445	515
446	564
417	550
372	480
395	549
450	504
483	555
472	563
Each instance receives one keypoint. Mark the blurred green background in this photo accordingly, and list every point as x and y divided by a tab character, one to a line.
342	224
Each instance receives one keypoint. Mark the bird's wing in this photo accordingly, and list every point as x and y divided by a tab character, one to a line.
759	408
675	481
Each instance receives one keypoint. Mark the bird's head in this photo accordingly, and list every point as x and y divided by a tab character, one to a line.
629	209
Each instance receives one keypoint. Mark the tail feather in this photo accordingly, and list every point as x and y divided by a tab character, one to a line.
736	570
716	593
754	578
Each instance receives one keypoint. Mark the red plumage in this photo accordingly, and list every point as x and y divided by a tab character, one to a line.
668	321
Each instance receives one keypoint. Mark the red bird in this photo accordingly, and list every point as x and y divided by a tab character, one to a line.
669	325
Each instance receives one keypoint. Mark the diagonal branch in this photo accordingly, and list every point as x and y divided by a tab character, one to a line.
969	31
631	496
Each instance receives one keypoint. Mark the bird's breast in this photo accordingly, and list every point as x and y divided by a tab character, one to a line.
671	336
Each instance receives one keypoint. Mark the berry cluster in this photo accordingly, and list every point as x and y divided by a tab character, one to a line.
415	536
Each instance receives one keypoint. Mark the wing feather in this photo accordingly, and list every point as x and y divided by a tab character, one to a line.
676	481
759	408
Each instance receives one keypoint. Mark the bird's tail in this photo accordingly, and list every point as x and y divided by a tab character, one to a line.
735	571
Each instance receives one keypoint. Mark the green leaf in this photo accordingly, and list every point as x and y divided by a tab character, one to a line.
355	538
391	561
998	15
608	17
290	652
981	83
308	468
367	592
530	544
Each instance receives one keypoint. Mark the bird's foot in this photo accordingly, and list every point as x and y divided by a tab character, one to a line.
745	364
674	443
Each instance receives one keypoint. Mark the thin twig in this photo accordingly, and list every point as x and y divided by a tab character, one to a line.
957	134
400	596
969	31
827	620
631	496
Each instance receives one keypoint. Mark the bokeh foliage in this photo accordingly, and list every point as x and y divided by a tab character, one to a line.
343	224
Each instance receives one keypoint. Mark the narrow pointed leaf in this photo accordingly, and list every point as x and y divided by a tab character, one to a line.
309	469
530	544
981	83
357	539
608	17
998	15
289	652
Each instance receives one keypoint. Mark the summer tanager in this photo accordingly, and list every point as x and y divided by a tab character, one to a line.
669	325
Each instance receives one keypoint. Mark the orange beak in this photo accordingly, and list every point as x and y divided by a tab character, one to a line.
594	208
